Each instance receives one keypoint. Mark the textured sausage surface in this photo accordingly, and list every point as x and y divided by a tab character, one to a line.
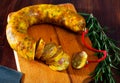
20	21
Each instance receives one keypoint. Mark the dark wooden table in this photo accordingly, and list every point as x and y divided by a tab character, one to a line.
106	11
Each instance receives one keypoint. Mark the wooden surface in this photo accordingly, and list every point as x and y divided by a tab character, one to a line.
107	12
70	43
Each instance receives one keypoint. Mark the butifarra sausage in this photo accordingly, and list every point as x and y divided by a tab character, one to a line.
20	21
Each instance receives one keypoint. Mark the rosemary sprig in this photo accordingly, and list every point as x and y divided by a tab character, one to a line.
100	40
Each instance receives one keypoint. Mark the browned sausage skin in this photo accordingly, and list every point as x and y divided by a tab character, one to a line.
19	22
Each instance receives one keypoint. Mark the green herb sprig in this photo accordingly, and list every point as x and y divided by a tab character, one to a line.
103	71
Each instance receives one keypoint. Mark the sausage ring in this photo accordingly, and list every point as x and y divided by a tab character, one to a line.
20	21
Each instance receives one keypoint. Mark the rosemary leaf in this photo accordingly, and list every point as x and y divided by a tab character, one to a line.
100	40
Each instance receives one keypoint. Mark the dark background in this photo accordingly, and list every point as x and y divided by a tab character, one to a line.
106	11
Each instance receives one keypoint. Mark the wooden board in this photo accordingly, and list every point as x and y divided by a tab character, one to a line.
38	72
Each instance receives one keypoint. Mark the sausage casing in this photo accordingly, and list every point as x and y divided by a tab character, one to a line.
19	22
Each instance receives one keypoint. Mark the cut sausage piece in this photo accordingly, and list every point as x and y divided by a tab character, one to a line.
61	62
59	53
49	51
39	48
